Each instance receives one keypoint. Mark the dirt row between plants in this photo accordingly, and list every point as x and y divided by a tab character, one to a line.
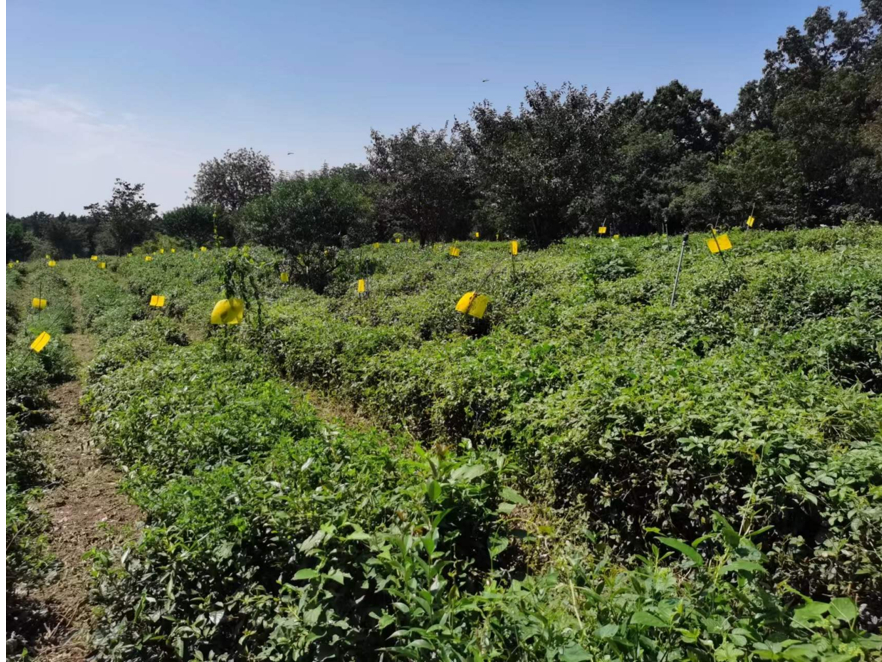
84	509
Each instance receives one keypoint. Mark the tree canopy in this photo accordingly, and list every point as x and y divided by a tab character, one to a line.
802	148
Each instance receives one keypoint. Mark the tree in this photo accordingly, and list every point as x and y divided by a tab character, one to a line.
661	146
309	217
19	242
233	180
539	170
125	220
759	174
819	93
193	223
423	184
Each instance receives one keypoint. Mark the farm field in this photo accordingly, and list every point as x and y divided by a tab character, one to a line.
586	472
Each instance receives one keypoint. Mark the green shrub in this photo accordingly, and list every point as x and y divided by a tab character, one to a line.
280	559
26	381
145	339
193	407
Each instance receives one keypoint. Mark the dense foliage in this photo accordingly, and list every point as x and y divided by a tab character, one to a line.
125	220
764	376
423	186
586	472
305	216
232	181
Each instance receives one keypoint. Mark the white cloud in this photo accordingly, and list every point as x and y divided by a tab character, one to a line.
64	152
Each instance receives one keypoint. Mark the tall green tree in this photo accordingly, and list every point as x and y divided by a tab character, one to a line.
125	220
195	224
540	169
662	145
232	181
19	242
309	217
819	93
423	184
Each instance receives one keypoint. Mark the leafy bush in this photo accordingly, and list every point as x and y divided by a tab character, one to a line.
145	339
620	407
28	561
195	224
26	381
308	213
24	466
192	407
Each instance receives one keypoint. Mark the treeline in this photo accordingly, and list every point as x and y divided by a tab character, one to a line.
802	148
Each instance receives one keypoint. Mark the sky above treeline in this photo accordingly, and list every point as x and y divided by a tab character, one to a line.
147	91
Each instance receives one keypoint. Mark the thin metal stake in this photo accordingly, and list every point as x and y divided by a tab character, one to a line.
720	251
679	268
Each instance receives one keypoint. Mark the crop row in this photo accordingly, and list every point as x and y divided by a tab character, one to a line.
274	535
757	391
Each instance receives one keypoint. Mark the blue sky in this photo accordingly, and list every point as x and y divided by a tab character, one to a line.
146	91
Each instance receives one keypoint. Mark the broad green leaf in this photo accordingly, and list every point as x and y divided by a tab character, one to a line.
510	495
574	653
746	566
468	472
606	631
806	616
645	618
800	652
683	548
306	573
844	609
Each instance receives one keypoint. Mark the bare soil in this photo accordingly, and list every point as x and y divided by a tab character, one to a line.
85	510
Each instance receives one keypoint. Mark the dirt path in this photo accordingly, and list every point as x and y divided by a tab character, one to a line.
84	510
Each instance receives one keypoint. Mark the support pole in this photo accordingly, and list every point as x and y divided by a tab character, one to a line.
679	268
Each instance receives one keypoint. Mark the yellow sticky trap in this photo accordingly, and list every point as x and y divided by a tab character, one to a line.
453	252
94	258
203	249
157	301
39	304
601	229
397	240
102	265
10	265
162	251
750	221
615	236
361	285
148	258
473	304
477	235
40	342
514	248
376	244
51	263
284	276
719	243
48	257
228	311
172	250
